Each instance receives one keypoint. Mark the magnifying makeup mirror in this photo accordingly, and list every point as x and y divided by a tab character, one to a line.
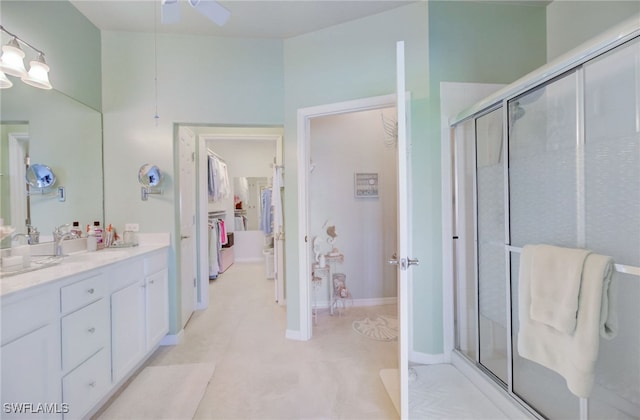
149	176
40	176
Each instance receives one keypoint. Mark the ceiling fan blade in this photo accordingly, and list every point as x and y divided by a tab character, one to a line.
212	10
170	11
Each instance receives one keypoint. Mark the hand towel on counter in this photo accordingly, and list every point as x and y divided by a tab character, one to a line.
571	355
555	275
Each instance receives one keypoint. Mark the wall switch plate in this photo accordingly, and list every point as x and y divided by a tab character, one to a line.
132	227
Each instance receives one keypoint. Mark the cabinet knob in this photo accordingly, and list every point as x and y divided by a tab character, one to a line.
91	330
92	384
90	291
151	281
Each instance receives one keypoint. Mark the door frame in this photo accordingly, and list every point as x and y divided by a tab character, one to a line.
304	117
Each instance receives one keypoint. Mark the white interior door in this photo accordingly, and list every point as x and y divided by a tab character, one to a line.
404	262
188	257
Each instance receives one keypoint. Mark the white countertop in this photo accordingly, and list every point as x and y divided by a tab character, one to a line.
79	262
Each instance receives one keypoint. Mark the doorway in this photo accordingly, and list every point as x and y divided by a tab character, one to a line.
353	187
204	136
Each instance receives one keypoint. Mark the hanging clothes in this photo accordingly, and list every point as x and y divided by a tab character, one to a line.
276	199
266	218
214	250
218	178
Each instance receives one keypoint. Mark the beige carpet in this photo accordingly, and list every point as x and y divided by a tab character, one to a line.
383	328
162	392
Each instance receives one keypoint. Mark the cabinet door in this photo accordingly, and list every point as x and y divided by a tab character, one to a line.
157	307
31	375
127	329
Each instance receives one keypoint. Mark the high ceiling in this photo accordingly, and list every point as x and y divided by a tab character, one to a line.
249	19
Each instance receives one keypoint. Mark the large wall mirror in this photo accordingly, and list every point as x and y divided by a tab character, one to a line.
55	130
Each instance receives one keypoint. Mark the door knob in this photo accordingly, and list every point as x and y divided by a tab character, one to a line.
414	261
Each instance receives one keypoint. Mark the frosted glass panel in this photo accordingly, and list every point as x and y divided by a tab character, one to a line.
466	297
612	171
542	165
541	388
612	154
491	240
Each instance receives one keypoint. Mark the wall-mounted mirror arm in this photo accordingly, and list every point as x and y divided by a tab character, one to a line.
145	191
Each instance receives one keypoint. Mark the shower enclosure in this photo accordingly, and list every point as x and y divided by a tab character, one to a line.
552	159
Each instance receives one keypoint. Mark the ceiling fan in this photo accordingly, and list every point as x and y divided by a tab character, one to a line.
211	9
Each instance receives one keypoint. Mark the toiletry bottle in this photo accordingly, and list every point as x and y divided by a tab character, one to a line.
98	230
92	242
75	230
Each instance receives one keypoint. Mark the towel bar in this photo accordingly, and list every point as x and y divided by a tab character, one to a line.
620	268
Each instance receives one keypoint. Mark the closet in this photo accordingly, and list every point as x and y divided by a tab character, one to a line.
242	201
553	159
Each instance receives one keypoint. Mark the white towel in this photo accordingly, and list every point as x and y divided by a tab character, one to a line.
556	274
571	355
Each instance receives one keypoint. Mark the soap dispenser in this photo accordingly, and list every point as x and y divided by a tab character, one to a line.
92	241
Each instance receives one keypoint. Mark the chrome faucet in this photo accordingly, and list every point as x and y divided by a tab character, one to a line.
17	236
59	235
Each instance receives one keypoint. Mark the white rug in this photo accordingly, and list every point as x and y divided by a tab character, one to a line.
383	328
162	392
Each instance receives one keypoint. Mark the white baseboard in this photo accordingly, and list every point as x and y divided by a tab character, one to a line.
294	335
425	358
172	339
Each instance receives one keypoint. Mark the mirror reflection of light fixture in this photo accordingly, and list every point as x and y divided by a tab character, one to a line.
150	177
12	64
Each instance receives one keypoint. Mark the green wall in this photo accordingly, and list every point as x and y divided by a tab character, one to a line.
70	42
201	80
468	42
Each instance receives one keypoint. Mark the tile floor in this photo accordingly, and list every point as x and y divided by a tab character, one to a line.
259	374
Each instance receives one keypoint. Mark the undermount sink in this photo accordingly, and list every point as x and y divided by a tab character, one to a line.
30	263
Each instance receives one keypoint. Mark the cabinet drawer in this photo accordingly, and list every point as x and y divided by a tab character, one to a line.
155	262
86	385
84	332
24	315
126	273
83	292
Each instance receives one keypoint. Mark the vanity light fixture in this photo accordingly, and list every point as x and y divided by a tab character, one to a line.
12	64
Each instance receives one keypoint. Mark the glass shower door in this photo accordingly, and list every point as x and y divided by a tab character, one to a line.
492	286
612	217
544	200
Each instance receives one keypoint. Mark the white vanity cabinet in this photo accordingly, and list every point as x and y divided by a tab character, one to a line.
157	298
85	335
128	344
69	342
30	356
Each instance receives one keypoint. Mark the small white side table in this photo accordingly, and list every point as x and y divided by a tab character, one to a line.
318	275
332	259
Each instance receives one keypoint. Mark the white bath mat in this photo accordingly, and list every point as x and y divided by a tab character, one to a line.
162	392
382	328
